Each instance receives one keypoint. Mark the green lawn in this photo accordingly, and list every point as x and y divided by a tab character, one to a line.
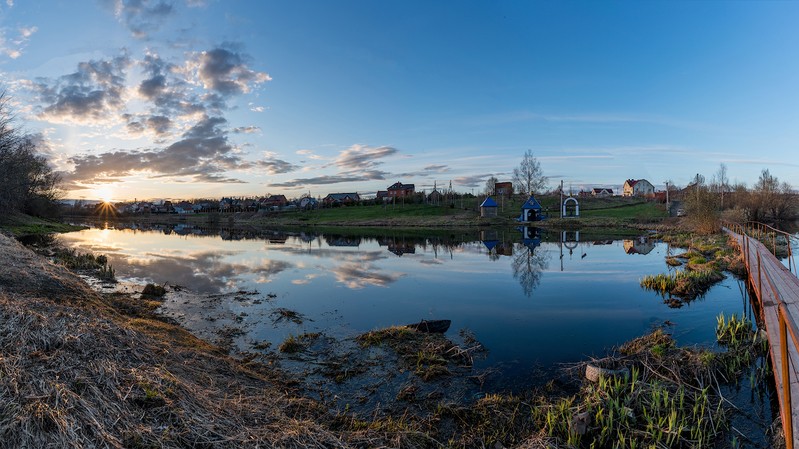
22	225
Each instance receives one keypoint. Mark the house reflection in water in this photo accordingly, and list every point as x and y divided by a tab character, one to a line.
639	245
496	243
398	246
341	240
401	247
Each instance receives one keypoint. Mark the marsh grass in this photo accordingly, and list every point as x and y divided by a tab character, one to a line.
706	258
670	400
428	355
153	290
282	314
684	284
87	262
294	344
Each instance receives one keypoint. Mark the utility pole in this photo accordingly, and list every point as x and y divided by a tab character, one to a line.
668	206
560	206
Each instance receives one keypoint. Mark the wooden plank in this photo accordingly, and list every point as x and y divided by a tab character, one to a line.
786	285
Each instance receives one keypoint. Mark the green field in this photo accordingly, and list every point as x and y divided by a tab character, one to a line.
593	211
20	225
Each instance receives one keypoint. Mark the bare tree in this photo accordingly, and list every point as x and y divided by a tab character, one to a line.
701	207
722	181
27	183
491	184
528	176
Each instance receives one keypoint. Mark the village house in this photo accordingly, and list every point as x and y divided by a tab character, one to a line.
341	199
308	203
275	202
183	208
599	192
400	190
435	197
503	189
489	208
637	187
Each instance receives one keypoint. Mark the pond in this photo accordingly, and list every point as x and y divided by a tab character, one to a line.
535	299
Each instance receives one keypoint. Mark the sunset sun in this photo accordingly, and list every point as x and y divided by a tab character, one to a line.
104	194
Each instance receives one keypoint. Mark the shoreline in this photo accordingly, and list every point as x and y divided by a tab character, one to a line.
160	345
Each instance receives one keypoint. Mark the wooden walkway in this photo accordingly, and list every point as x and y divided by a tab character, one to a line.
774	284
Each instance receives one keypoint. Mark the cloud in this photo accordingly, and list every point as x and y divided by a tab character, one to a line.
224	71
257	108
246	130
93	94
335	179
356	163
203	84
141	17
470	181
310	154
204	154
437	168
359	275
168	90
13	47
360	157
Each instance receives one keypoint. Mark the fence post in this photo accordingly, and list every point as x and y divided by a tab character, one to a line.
787	419
760	278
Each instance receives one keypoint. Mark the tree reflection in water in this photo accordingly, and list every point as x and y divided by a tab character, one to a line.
528	267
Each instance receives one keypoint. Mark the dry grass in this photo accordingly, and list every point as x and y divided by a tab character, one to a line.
74	372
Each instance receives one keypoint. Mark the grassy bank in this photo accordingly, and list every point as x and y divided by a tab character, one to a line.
20	225
615	212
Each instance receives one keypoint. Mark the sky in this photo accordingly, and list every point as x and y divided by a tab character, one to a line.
209	98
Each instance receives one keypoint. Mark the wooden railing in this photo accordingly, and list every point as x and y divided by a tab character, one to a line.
786	323
787	326
762	232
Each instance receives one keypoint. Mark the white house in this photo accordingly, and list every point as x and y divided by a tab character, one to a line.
637	187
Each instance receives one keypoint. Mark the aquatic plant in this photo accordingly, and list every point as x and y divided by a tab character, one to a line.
282	314
685	284
153	290
733	331
107	273
294	344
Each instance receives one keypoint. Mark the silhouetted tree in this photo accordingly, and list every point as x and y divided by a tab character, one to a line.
27	183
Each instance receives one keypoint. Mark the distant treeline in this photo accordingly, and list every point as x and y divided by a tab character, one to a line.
768	200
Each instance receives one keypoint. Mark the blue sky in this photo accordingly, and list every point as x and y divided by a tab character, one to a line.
192	98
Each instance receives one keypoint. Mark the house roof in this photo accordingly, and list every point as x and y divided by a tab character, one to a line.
489	202
599	190
531	203
490	244
631	182
401	186
343	196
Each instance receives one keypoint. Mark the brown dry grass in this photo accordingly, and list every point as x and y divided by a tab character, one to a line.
75	372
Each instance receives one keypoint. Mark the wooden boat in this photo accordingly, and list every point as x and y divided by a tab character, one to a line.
431	326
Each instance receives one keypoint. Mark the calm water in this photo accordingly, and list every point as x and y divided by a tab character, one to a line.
533	300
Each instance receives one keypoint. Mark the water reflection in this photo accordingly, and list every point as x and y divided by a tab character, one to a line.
348	259
528	267
640	245
347	282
